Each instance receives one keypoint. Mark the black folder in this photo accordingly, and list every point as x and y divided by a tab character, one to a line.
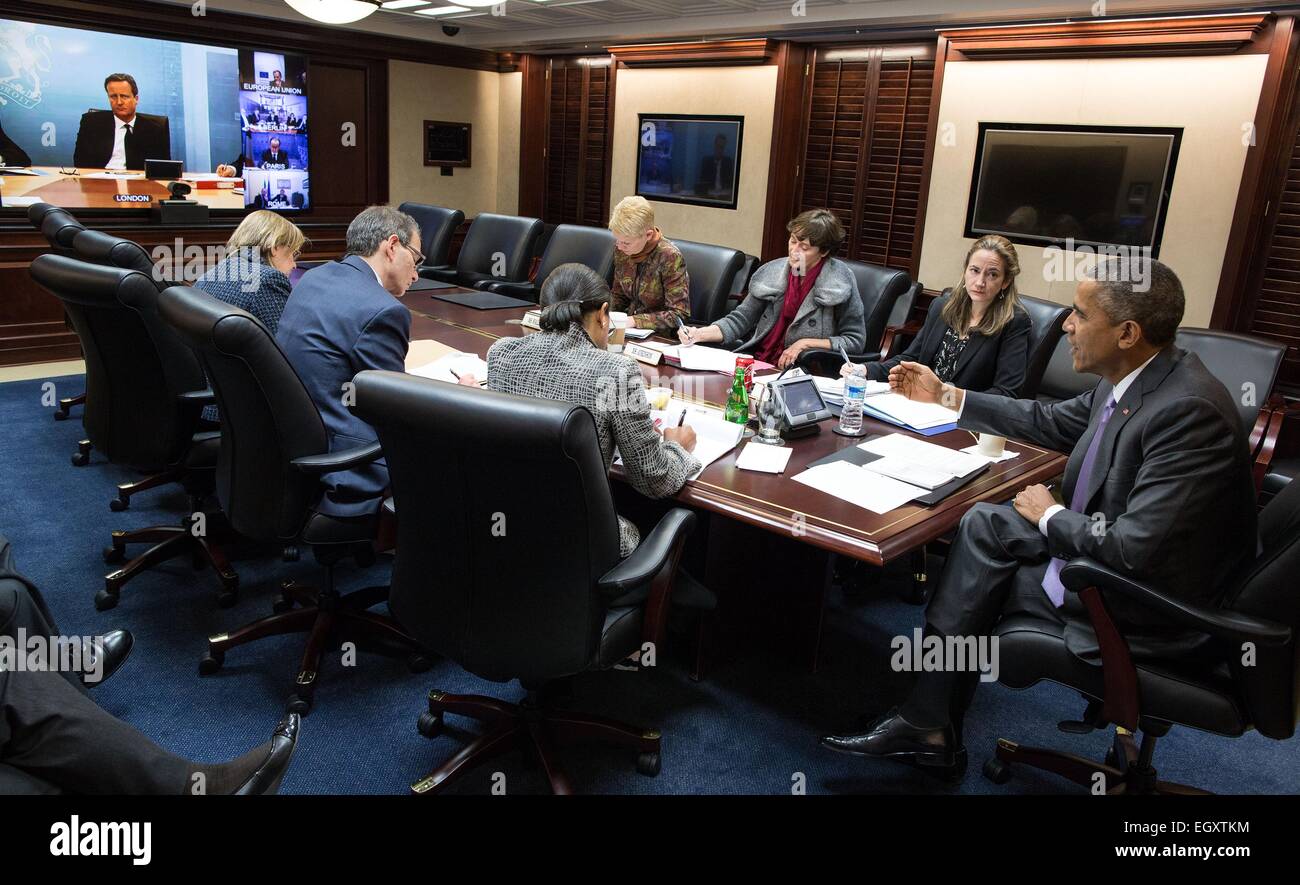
855	455
423	285
484	300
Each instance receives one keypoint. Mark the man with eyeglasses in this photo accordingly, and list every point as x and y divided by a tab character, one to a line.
342	318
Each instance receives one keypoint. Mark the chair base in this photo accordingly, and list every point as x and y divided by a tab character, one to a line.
169	542
82	456
328	619
533	726
127	489
64	408
1136	777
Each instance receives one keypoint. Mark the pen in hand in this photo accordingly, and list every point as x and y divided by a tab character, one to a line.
681	327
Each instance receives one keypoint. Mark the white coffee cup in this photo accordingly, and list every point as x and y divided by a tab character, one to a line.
617	330
991	446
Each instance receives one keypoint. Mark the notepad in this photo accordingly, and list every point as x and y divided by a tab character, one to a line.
763	458
700	358
902	410
901	449
714	435
447	367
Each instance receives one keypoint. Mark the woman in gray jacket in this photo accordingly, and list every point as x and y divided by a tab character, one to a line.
805	300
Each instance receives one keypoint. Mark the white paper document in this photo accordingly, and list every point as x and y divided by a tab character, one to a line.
859	486
442	369
638	334
913	414
16	170
714	435
700	358
923	454
763	458
910	472
1006	455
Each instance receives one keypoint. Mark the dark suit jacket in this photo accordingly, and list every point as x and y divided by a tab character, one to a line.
12	153
337	322
995	364
270	156
1172	480
709	172
150	140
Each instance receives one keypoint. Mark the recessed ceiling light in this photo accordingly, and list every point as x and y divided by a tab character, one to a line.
441	10
404	4
480	4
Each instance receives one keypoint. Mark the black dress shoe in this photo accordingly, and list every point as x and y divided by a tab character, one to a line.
112	649
891	736
270	771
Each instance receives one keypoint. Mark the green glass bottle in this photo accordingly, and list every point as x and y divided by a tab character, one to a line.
738	401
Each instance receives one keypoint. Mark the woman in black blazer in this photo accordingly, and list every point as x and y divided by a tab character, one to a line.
976	337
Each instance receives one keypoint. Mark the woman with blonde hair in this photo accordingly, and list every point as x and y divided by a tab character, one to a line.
976	336
254	275
650	280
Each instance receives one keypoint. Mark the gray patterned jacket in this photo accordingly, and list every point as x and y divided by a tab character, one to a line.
567	366
832	309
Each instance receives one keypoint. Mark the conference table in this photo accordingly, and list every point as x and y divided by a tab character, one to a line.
101	189
772	501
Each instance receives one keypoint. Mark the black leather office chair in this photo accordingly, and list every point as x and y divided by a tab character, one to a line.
592	246
1247	367
1047	320
274	451
62	227
1059	380
437	227
711	269
509	236
142	408
740	284
97	247
1242	676
887	295
514	580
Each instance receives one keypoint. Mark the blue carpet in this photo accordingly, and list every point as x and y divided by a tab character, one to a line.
750	727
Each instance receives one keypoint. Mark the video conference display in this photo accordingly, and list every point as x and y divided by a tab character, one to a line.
686	158
81	111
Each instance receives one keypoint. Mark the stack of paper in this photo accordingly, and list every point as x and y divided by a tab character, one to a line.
901	410
858	485
449	367
638	334
701	358
763	458
918	462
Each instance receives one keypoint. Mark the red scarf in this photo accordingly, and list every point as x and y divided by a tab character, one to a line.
796	290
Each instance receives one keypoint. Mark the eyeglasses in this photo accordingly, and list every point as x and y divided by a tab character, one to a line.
416	254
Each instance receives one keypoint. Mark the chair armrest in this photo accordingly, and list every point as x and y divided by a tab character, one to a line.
890	341
1080	574
344	460
651	555
445	273
820	361
203	397
1264	435
526	290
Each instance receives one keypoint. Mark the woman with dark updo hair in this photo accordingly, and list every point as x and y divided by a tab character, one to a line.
568	361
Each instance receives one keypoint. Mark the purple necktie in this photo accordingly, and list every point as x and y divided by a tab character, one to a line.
1052	579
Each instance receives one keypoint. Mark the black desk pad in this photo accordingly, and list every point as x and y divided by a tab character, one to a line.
484	300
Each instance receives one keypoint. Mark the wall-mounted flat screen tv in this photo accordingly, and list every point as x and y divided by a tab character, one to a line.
70	138
1065	186
685	158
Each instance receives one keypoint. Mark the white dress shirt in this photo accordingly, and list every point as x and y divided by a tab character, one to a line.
118	159
1116	394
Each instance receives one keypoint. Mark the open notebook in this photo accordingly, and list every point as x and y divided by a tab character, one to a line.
432	359
714	435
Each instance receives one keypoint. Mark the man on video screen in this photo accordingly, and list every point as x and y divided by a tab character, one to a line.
122	139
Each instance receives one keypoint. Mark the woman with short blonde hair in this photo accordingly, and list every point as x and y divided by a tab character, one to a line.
254	275
650	280
270	234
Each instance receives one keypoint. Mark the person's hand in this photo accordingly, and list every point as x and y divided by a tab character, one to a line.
847	369
225	171
1032	502
684	436
467	380
791	354
916	382
686	334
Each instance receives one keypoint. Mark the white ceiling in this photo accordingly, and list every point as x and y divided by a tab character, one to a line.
551	25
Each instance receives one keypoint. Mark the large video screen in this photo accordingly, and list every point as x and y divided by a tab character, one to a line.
684	158
1070	186
81	113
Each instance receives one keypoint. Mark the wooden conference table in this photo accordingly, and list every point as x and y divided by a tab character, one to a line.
772	502
93	189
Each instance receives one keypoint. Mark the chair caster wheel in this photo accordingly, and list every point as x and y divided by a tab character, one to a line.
114	555
281	604
299	704
290	554
419	663
647	764
997	771
60	416
117	505
80	460
105	600
429	724
211	663
227	597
